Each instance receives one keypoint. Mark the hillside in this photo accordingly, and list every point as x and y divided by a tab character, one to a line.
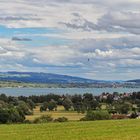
135	81
32	77
96	130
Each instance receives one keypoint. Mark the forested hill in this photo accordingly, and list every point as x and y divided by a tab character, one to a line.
33	77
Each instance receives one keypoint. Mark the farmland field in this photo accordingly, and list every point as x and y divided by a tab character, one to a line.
71	115
97	130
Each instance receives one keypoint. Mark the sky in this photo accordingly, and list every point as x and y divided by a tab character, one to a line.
96	39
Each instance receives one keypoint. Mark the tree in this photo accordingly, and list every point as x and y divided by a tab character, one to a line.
90	102
52	105
3	97
23	107
4	115
77	102
123	108
67	103
87	100
3	104
15	116
11	115
44	107
94	104
13	100
31	104
109	99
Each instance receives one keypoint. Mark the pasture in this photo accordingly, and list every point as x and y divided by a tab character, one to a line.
96	130
71	115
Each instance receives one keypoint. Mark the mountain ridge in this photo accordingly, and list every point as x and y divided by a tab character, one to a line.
50	78
40	77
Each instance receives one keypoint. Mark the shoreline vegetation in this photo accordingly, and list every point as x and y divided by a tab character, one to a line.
15	84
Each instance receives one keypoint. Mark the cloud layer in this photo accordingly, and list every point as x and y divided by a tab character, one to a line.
92	38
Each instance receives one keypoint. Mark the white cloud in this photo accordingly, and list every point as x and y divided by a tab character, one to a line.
105	37
56	55
43	14
9	49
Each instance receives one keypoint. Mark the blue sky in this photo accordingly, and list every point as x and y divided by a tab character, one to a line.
92	39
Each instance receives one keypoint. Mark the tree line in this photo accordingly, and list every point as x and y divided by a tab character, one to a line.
14	109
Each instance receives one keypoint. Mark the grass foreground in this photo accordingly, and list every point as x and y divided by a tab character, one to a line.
96	130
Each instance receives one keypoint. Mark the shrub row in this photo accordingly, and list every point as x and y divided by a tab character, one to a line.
48	118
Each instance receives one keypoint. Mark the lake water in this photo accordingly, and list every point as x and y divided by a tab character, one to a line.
44	91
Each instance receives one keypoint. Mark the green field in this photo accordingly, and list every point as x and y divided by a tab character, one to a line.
97	130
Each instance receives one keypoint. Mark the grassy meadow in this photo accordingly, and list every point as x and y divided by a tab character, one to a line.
96	130
71	115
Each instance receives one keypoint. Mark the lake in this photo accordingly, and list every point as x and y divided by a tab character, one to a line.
60	91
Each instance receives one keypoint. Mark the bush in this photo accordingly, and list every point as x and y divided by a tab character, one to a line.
133	115
96	115
27	122
119	116
43	119
61	119
112	111
83	119
11	115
